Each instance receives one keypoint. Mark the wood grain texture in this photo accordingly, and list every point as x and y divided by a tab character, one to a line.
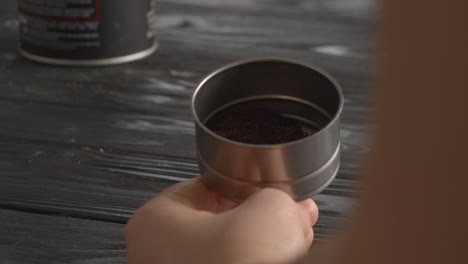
97	142
109	185
33	238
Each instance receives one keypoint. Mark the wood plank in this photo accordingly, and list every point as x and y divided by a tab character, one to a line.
187	32
109	186
359	9
34	238
163	133
87	183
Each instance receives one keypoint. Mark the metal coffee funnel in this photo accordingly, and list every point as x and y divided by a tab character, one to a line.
302	167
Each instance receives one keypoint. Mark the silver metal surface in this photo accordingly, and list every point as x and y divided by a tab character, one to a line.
96	62
302	167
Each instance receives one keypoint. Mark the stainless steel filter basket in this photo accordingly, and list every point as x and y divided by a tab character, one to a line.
302	167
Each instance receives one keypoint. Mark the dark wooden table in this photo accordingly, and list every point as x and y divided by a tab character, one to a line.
82	148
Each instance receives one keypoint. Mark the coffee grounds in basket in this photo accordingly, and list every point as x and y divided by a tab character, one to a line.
257	126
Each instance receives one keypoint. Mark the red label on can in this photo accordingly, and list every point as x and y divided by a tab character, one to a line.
85	30
64	10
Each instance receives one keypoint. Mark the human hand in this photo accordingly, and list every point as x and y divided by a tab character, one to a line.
189	223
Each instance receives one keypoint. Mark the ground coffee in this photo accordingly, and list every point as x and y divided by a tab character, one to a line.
251	124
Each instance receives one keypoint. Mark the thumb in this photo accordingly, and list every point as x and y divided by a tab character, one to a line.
276	203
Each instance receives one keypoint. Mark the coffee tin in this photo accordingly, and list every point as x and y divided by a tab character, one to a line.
86	32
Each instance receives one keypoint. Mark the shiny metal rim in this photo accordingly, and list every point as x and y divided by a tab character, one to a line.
334	156
97	62
241	189
260	185
335	83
